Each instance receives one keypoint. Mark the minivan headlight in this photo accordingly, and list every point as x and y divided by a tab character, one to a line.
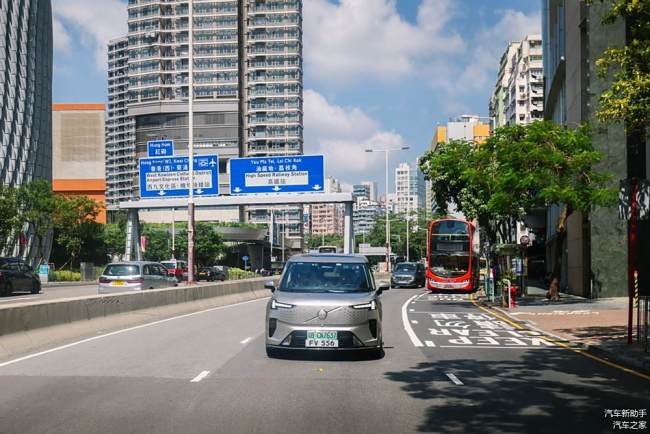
277	305
370	306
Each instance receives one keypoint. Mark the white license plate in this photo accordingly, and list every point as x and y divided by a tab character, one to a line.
322	339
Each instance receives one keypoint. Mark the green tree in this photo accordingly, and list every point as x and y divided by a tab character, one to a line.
159	247
36	204
316	241
627	99
9	216
74	225
518	169
418	226
208	244
114	238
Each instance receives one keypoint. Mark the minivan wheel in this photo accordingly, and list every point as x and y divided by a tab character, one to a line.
36	287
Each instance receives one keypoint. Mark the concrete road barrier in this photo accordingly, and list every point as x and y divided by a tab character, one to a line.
34	315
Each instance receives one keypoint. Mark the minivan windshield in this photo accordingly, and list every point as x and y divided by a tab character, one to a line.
326	277
405	267
121	270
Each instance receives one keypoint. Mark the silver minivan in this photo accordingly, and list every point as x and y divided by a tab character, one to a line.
325	302
134	276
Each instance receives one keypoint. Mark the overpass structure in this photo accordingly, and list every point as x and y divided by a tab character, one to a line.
132	247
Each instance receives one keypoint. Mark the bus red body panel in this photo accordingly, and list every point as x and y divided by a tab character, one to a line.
452	264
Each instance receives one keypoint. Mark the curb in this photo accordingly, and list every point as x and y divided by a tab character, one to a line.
593	349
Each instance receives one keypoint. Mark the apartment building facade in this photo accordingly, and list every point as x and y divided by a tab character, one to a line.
409	189
121	163
247	87
518	96
26	103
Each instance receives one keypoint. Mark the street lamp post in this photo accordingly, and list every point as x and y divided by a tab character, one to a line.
190	199
386	151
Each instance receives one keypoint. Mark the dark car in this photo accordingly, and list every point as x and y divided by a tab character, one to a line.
15	275
211	274
408	274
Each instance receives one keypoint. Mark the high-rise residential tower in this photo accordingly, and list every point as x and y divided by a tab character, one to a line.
247	75
26	91
26	104
409	188
518	96
121	164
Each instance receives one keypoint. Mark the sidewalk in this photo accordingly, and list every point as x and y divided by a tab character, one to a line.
598	326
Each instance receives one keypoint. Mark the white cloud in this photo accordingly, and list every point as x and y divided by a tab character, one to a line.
490	43
96	22
61	36
343	134
361	39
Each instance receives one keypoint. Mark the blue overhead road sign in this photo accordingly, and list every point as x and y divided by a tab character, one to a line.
285	174
160	148
169	177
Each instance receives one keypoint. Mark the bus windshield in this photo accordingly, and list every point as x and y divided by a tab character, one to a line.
449	248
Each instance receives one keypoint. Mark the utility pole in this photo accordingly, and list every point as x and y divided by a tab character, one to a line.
408	217
190	199
386	151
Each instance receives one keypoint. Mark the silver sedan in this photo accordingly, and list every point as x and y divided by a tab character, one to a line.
134	276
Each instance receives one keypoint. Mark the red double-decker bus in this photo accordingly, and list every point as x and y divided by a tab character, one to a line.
452	264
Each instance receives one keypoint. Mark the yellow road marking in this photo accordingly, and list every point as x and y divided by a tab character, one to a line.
565	346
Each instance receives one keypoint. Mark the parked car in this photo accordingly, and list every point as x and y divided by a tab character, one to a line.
408	274
176	268
16	275
134	276
211	274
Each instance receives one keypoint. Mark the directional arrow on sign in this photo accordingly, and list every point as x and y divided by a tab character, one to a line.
316	187
276	188
199	191
161	193
237	190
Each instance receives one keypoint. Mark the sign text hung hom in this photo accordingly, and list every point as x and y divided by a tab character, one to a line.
169	177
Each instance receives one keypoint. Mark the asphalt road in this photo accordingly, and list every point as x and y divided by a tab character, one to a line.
449	367
50	293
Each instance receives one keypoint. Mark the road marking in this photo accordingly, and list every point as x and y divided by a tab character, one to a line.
411	310
429	343
247	340
117	332
569	347
200	377
454	379
9	300
414	321
407	327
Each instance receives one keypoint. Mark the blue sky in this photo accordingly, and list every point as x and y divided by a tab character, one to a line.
377	72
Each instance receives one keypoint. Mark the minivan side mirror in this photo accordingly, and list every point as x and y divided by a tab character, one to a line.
270	285
382	286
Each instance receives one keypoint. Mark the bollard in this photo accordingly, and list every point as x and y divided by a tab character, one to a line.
513	297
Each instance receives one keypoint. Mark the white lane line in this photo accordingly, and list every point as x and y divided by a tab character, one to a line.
413	321
411	310
429	343
117	332
407	327
454	379
9	300
247	340
200	377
